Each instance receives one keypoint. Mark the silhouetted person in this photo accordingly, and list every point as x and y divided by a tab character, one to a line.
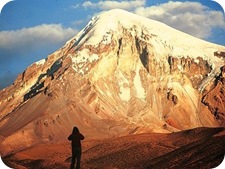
75	138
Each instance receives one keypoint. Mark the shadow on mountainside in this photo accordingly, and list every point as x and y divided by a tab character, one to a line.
196	148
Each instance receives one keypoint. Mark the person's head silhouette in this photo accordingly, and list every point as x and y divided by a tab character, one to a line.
75	130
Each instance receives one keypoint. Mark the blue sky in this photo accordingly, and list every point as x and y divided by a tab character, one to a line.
30	30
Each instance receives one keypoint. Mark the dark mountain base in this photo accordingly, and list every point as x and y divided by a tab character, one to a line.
197	148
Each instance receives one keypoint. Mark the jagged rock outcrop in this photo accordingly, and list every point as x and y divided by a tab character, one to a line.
214	99
117	76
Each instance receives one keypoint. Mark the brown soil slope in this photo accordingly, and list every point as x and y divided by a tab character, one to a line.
197	148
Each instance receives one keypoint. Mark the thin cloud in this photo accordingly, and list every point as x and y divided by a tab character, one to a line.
78	22
107	5
34	36
190	17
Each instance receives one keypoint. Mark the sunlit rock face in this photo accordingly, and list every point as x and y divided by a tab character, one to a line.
122	74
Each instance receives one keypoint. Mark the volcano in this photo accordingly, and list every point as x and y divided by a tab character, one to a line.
122	74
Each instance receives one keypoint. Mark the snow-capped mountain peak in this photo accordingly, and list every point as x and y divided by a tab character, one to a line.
121	74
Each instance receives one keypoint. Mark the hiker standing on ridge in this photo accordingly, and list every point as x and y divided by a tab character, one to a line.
75	138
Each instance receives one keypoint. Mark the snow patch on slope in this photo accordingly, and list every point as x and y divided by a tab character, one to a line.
140	91
81	60
124	89
40	62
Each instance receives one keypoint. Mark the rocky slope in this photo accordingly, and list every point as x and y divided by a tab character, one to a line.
196	148
122	74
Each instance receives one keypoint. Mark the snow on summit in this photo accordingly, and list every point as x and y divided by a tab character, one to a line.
101	27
